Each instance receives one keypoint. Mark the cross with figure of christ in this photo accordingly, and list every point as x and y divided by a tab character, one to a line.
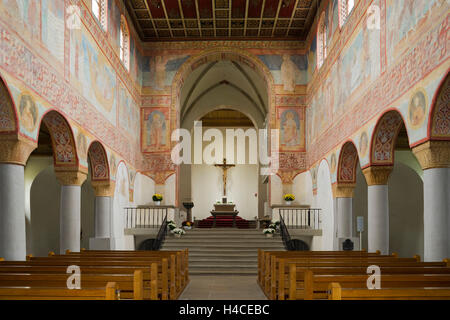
224	167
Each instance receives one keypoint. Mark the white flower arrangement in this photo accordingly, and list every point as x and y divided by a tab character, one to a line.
178	231
171	225
273	226
268	230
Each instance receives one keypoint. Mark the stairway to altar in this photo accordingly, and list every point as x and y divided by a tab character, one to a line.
224	222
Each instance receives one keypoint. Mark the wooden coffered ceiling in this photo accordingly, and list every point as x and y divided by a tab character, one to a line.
162	20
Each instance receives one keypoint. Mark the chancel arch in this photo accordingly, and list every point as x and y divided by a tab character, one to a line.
222	79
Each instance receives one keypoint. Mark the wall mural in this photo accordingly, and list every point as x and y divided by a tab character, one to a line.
26	13
287	70
53	27
364	90
155	130
159	70
128	113
405	21
417	110
291	123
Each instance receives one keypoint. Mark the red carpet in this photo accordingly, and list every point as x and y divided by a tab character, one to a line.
223	222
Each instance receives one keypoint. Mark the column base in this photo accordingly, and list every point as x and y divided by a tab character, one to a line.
99	244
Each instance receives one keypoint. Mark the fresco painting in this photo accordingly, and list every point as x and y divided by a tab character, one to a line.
114	23
291	123
160	70
417	109
288	70
28	112
53	27
26	13
155	129
405	18
97	78
128	113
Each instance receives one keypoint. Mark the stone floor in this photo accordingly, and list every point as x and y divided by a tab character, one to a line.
227	287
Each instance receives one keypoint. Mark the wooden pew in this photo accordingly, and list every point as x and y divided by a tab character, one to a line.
271	271
131	285
108	292
336	292
155	283
274	278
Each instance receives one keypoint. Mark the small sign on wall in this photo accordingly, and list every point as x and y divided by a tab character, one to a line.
360	224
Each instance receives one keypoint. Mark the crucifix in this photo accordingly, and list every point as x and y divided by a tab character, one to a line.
224	167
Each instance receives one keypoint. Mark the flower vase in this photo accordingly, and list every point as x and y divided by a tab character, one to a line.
288	203
177	235
269	235
158	203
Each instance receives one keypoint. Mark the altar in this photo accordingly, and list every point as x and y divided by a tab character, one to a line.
225	210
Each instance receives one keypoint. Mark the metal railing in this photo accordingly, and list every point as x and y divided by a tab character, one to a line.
285	234
161	235
145	217
297	218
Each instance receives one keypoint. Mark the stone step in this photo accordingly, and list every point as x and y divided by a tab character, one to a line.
230	242
230	271
234	264
195	261
223	256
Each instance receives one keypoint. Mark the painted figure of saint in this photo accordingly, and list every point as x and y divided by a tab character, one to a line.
156	132
288	72
417	109
28	112
363	144
290	130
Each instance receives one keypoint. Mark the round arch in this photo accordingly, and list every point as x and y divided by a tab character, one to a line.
9	123
204	112
65	154
220	54
99	162
347	164
439	121
384	138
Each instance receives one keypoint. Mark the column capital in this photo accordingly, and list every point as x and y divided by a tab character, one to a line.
433	154
103	188
16	150
71	178
377	175
343	190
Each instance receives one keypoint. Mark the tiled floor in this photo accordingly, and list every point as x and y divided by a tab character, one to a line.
222	288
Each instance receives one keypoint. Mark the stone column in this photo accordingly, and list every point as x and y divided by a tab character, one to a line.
434	158
70	209
104	191
378	208
13	157
343	194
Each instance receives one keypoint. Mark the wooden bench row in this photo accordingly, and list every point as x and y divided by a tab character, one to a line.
134	275
309	275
